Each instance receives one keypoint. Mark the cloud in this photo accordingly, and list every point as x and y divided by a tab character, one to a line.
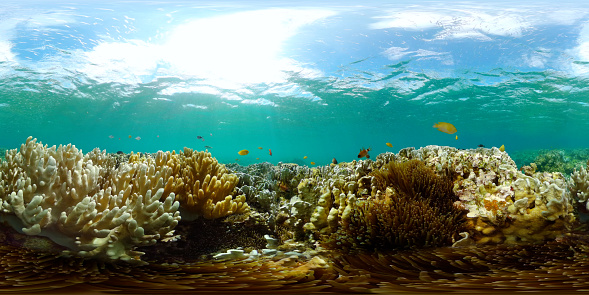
538	58
259	101
6	54
458	23
227	51
396	53
579	62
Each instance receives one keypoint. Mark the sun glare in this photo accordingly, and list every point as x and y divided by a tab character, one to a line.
239	48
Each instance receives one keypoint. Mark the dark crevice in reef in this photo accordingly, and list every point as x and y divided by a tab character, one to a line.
198	238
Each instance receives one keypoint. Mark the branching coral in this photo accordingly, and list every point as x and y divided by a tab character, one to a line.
98	209
91	209
203	186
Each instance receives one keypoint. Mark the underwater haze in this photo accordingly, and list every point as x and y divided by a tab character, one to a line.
302	78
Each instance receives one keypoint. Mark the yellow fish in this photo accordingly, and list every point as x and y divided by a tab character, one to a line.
305	157
389	144
312	163
502	148
243	152
445	127
456	137
257	158
260	148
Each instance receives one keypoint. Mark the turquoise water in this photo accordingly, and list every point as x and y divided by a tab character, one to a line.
309	79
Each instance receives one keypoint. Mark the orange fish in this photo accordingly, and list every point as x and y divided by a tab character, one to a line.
445	127
243	152
138	138
389	144
129	136
312	163
257	158
260	148
364	153
270	152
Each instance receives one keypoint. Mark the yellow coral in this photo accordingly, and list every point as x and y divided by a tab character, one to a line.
201	185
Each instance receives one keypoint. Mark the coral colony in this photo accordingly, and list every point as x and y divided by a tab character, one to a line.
434	218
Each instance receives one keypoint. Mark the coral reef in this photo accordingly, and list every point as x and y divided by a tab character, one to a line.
202	185
98	207
503	204
81	203
412	207
564	161
579	188
424	219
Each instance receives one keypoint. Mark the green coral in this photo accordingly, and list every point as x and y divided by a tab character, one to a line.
556	160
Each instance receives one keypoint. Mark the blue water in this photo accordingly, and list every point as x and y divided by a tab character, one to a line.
316	79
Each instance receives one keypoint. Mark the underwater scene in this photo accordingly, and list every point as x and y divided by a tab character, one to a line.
300	147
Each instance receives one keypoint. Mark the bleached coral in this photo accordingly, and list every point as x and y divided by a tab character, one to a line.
579	186
97	207
93	210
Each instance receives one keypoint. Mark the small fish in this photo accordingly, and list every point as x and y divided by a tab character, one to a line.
364	153
208	147
445	127
243	152
236	159
158	136
270	152
305	157
130	136
200	137
481	145
502	148
110	136
312	163
389	144
456	137
138	138
257	158
283	187
260	148
334	161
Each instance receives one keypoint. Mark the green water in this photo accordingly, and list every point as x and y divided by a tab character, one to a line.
321	80
537	110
